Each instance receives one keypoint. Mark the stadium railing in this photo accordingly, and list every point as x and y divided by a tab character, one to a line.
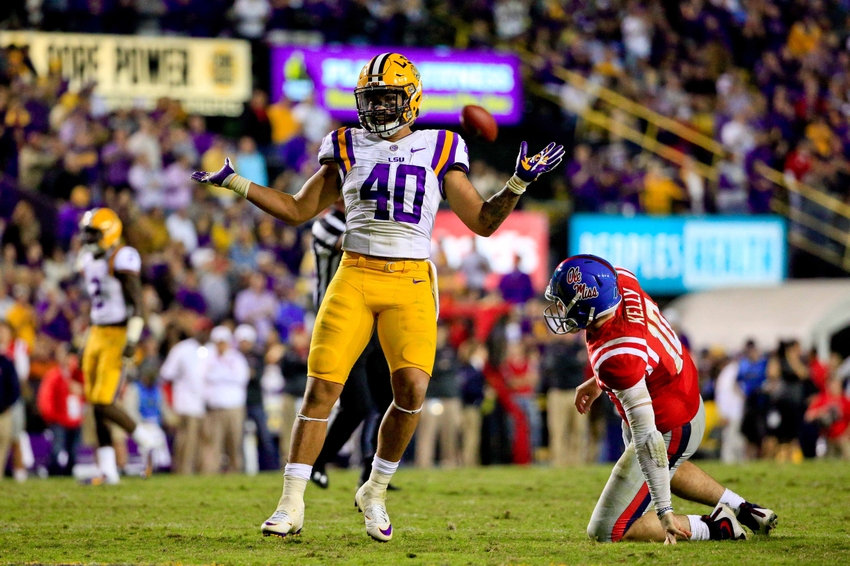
819	222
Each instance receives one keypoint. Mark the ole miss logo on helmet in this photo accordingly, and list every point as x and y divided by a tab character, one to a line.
583	290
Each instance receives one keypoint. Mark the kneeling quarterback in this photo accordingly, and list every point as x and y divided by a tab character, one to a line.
638	360
111	273
392	180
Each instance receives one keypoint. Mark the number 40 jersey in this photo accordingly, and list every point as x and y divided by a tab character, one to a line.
639	344
392	190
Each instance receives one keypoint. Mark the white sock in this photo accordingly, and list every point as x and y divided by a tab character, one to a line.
143	437
699	530
301	471
107	464
732	499
382	472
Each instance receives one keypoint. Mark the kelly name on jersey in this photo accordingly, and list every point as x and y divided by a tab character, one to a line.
639	344
392	190
108	306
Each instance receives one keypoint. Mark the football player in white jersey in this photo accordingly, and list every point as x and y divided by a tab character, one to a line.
392	180
111	274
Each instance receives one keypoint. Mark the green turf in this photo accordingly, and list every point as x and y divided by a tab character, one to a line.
485	516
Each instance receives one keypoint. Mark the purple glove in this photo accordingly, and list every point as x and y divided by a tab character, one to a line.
219	178
528	169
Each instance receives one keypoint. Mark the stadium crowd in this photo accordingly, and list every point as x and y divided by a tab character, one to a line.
221	274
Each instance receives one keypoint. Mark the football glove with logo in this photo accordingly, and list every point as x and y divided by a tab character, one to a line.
529	168
225	177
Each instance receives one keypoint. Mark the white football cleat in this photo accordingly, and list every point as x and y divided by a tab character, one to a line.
284	522
756	518
372	504
148	438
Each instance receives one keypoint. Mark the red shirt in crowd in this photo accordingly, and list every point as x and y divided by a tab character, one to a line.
827	401
57	402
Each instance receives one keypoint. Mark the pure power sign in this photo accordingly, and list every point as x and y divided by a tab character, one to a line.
209	76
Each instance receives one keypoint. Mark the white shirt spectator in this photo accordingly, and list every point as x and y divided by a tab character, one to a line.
511	17
177	186
636	35
181	229
186	367
227	379
738	137
315	121
252	15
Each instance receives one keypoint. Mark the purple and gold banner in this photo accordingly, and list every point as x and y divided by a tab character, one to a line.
451	79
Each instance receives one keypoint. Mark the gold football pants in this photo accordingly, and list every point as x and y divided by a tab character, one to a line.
102	363
395	296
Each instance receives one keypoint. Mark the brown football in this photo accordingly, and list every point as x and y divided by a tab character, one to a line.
476	121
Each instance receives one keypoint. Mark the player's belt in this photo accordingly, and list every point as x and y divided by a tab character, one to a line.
386	265
121	324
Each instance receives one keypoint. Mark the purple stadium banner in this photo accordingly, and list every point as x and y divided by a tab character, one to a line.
451	79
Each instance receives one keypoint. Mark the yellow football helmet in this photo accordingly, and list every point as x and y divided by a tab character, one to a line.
101	229
388	94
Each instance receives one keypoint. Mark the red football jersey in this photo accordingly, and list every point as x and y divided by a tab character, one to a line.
639	343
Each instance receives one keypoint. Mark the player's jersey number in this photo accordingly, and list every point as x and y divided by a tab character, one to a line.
377	187
660	328
96	292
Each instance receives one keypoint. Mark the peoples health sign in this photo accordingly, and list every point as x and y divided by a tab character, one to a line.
680	254
450	79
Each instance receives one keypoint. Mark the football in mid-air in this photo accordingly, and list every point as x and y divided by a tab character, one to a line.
476	121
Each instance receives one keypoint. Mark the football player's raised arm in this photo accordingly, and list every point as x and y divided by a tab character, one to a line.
650	448
480	216
484	217
318	193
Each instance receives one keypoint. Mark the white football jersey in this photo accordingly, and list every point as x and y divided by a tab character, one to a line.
392	190
107	298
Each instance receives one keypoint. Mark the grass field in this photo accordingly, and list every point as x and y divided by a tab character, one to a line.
483	516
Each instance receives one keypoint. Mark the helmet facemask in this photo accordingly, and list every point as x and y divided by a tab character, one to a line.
557	314
384	110
90	238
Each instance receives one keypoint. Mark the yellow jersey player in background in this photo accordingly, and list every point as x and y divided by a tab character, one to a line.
392	180
111	274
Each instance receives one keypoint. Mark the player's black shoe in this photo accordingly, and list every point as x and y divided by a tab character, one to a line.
756	518
722	524
320	478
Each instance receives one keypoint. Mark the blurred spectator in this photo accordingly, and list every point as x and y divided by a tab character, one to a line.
471	359
251	17
730	402
181	229
751	378
475	269
293	366
60	403
226	385
522	374
256	306
314	120
10	392
177	185
252	164
246	341
830	410
786	376
441	414
516	286
563	369
186	368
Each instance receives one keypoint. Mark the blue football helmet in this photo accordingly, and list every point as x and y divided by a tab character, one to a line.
582	289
